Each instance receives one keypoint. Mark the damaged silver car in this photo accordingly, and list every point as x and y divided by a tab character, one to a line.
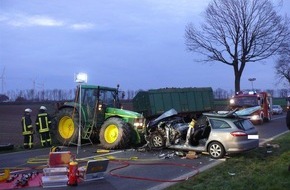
217	134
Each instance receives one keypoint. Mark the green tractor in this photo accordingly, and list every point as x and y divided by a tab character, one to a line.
102	119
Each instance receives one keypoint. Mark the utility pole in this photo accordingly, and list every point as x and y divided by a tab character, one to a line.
252	81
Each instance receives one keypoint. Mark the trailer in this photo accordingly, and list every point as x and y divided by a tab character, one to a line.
189	102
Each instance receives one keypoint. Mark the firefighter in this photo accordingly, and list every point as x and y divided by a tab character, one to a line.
27	129
42	126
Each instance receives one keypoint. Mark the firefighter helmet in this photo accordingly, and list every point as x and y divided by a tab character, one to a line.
42	108
28	110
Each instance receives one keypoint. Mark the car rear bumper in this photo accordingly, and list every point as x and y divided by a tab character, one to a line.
243	146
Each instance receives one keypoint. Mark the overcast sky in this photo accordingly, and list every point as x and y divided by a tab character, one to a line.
138	44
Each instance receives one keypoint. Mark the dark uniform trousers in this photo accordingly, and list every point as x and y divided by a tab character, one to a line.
27	132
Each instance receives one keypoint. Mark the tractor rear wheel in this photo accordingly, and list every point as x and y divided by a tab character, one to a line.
115	134
66	126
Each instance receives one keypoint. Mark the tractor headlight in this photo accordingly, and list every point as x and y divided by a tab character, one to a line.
139	123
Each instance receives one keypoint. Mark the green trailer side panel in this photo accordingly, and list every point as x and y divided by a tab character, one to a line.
167	101
183	100
175	104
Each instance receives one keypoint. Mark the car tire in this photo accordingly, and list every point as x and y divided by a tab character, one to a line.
216	150
156	140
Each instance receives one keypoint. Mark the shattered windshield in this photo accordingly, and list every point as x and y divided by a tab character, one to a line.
248	111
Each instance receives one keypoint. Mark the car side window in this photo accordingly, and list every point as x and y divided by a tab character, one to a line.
219	124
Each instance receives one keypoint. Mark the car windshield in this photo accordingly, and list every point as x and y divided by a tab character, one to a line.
275	106
244	124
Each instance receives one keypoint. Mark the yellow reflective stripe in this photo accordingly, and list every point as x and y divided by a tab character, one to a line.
27	133
43	130
43	127
25	128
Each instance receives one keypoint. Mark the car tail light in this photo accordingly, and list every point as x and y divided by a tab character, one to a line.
238	134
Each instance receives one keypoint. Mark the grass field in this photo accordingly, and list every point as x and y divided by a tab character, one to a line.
267	167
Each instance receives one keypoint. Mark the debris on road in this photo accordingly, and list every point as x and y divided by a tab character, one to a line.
191	155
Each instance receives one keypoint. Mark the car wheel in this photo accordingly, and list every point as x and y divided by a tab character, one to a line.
216	150
156	140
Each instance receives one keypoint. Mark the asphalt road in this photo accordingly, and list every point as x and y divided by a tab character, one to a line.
149	169
271	129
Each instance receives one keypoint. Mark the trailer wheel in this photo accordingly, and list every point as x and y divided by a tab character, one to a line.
66	129
156	140
216	150
115	134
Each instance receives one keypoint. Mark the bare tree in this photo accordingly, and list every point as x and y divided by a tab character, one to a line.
221	94
283	92
282	66
237	32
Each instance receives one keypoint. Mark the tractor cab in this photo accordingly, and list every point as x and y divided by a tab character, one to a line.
95	100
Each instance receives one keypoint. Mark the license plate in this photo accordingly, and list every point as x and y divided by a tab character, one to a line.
253	136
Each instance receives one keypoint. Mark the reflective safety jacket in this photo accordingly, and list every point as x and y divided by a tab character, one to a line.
26	123
42	122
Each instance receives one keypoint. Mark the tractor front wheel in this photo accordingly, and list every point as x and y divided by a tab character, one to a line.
115	134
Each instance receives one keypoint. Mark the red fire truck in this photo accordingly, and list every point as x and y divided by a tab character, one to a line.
255	106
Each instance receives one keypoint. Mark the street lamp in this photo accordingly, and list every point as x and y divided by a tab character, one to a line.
80	78
252	81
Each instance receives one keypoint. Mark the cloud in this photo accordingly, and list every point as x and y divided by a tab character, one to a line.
43	21
22	20
82	26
